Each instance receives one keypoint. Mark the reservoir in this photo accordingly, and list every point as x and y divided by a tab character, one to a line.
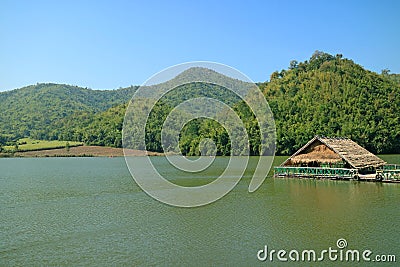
89	211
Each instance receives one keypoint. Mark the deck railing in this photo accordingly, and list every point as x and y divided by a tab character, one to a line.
390	167
318	172
386	173
390	172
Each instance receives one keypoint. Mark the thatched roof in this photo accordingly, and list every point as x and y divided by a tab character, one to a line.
333	150
319	153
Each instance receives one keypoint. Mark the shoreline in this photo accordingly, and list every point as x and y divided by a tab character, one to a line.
80	151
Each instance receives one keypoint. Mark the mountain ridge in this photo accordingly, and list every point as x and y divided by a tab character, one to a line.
326	95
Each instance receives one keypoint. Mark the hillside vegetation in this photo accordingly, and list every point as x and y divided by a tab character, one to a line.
326	95
332	96
33	111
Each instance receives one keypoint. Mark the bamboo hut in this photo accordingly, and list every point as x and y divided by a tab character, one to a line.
331	157
344	152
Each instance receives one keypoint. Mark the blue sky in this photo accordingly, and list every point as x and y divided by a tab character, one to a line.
112	44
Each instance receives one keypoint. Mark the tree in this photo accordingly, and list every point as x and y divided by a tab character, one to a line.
385	72
317	54
293	64
274	75
67	146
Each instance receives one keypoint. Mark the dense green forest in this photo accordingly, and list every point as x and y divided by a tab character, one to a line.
35	111
326	95
332	96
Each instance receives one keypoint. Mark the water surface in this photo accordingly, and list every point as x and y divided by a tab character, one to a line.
89	211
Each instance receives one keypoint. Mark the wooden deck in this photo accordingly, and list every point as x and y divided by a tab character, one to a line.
388	173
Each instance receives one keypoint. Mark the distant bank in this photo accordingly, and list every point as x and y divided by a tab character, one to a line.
84	151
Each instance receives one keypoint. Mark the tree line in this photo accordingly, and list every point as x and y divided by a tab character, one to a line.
325	95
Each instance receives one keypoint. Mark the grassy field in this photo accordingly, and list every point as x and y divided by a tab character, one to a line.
27	144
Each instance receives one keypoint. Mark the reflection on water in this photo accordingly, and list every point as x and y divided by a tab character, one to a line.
88	211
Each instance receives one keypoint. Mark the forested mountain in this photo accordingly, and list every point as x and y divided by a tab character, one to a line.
34	110
332	96
105	128
326	95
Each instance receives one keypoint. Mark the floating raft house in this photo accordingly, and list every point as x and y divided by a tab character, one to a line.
337	158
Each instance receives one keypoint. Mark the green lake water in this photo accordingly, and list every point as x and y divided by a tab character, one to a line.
89	211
